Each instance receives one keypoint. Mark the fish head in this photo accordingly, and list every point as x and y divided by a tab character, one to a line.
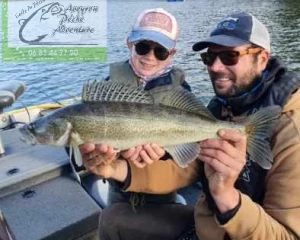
51	10
47	130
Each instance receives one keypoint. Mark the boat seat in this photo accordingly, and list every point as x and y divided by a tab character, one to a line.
9	92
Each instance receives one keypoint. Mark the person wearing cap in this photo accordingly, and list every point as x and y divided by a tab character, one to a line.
247	201
152	45
241	200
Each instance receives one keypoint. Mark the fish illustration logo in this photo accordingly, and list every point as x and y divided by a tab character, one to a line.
40	23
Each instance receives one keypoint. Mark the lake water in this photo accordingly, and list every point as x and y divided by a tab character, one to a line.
48	81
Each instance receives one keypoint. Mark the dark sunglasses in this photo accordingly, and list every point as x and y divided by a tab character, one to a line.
228	58
143	48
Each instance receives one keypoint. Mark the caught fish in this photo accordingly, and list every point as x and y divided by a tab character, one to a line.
124	116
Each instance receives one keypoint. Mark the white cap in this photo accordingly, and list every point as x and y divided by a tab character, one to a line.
156	25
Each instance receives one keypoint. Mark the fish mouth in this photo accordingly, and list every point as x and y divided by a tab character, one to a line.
27	137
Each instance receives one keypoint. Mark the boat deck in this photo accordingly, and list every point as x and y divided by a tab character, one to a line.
38	195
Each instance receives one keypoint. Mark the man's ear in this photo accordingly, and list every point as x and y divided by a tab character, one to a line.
264	58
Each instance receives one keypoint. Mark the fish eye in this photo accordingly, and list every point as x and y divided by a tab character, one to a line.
31	127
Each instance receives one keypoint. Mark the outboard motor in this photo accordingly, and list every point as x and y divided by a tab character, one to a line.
9	92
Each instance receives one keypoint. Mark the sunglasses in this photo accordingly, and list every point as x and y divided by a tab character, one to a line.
143	48
228	58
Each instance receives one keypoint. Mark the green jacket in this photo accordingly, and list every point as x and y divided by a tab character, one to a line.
159	87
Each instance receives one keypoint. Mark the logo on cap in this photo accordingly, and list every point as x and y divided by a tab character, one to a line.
156	25
228	23
157	20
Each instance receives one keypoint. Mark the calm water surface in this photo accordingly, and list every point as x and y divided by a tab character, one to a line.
47	81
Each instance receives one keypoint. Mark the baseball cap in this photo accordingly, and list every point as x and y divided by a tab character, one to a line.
235	30
155	25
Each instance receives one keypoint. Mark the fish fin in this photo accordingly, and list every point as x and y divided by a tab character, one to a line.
75	173
258	130
74	143
78	157
184	154
187	101
101	91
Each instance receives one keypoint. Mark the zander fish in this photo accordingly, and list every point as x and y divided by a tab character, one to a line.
124	116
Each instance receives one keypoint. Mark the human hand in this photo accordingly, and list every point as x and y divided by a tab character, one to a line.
224	159
144	155
98	158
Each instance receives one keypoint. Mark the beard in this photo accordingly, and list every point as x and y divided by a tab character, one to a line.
238	87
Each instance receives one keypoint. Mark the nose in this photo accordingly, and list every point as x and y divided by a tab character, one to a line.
217	65
150	54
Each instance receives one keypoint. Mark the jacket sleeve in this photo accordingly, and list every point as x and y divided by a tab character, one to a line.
162	177
279	217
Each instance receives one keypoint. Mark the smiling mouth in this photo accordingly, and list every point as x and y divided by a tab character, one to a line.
146	65
221	78
222	81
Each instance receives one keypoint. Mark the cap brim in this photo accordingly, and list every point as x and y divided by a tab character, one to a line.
154	36
222	40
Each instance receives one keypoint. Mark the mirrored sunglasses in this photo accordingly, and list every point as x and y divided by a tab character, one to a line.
228	58
143	48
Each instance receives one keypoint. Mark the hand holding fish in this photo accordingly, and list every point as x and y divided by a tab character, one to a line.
100	159
224	159
101	152
144	155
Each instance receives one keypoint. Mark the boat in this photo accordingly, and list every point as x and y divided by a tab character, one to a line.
39	195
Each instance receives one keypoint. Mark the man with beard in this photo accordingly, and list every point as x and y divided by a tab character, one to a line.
241	200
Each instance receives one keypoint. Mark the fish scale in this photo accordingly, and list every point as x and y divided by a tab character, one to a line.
177	123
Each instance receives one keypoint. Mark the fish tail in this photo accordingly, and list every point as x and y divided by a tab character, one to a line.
258	130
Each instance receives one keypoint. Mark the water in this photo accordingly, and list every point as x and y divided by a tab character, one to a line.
49	81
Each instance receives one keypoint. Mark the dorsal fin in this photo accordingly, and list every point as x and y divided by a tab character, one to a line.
187	101
108	91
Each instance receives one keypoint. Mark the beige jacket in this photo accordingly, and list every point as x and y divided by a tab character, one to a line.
277	218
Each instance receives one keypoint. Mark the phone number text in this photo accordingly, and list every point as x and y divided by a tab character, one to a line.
61	52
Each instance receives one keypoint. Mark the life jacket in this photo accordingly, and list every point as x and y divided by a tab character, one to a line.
159	87
122	72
